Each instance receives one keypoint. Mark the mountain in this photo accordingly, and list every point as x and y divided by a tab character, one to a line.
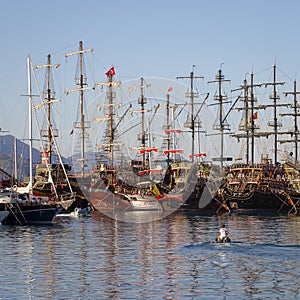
22	150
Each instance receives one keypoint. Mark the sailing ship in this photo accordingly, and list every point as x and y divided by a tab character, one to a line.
23	207
51	178
130	187
80	181
105	186
119	186
261	187
144	170
264	186
184	186
183	183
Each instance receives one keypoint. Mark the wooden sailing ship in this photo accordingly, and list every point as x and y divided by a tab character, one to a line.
185	181
267	186
180	187
80	177
51	174
105	187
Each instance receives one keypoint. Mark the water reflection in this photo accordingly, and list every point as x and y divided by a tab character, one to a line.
171	258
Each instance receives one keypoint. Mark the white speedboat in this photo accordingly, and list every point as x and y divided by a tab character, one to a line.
142	202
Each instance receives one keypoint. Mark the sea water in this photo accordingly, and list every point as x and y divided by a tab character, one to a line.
176	257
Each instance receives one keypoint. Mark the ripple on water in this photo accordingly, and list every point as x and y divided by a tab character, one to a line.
172	258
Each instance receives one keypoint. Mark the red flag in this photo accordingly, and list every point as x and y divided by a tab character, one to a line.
254	116
111	72
170	89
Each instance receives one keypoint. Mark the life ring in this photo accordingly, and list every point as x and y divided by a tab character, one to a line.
39	185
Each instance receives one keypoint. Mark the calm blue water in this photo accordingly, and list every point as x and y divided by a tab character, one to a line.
173	258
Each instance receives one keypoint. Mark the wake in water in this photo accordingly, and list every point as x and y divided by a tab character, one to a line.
237	249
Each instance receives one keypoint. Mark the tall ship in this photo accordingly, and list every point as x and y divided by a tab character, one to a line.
51	173
268	185
80	176
20	204
185	184
177	185
105	187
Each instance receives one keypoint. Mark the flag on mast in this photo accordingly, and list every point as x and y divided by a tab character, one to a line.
254	116
111	72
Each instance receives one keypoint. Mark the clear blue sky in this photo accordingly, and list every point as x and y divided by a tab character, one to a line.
154	38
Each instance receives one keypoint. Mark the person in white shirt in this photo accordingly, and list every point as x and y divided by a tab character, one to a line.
223	233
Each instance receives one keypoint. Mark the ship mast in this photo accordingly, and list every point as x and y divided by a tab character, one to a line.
249	125
222	124
169	129
167	126
191	124
275	124
81	82
49	98
29	66
295	115
142	101
111	128
244	123
252	118
111	118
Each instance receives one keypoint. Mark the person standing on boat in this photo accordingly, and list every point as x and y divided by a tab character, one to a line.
223	234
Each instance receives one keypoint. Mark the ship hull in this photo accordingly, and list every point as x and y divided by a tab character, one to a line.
176	202
257	201
104	200
26	214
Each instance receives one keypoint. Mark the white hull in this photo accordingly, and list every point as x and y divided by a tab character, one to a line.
144	203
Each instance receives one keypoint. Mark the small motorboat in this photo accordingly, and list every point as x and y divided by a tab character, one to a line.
82	211
225	239
78	212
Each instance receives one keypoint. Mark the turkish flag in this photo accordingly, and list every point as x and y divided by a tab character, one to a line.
111	72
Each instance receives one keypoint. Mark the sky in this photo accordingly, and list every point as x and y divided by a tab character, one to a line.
154	38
